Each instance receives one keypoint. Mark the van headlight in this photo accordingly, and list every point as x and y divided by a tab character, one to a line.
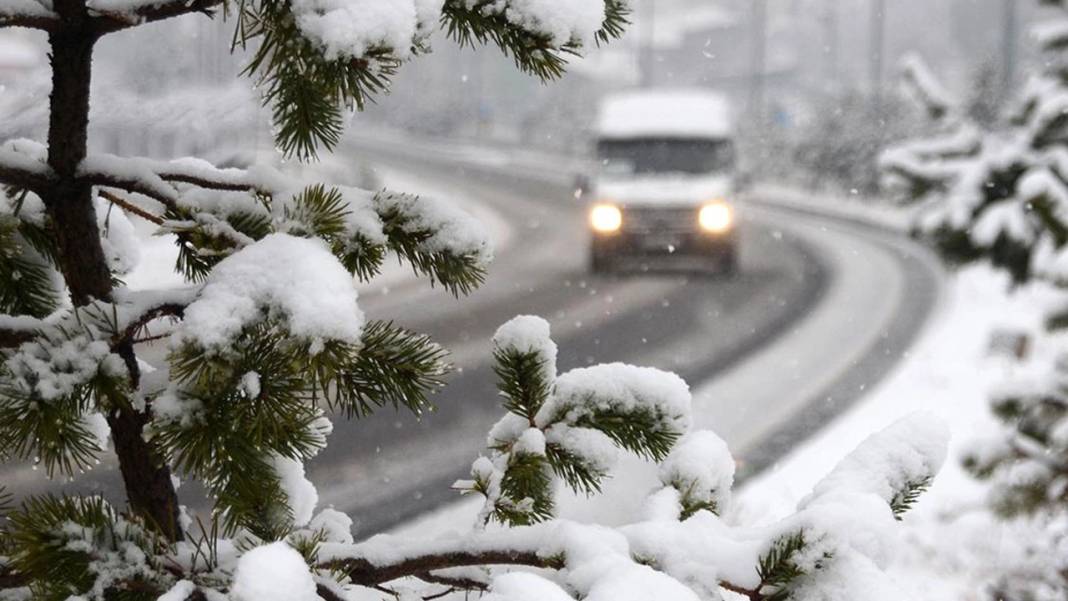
606	218
716	217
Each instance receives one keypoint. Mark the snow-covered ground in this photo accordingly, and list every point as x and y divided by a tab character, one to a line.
951	545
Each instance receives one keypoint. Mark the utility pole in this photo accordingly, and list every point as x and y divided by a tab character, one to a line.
647	45
758	59
878	34
830	43
1008	46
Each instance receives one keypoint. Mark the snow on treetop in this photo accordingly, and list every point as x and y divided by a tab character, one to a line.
525	333
665	113
529	333
701	465
292	278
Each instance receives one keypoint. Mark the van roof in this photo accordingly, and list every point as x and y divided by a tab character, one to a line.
682	113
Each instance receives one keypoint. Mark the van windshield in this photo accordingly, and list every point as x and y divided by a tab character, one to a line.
648	156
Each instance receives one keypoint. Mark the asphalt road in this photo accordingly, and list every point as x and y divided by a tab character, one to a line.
392	466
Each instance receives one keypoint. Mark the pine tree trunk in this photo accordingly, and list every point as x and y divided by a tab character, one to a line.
81	256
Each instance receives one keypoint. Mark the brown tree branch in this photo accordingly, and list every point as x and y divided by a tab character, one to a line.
130	207
110	22
203	182
14	338
43	23
163	310
25	178
467	584
365	573
10	579
752	594
165	195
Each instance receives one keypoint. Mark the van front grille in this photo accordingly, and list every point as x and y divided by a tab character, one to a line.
659	219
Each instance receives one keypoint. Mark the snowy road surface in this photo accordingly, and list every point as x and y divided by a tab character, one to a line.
821	309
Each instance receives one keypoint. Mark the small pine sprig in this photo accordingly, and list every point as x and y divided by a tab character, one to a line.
46	397
67	545
26	283
549	434
412	238
905	497
235	429
778	567
393	367
638	431
483	22
522	378
307	91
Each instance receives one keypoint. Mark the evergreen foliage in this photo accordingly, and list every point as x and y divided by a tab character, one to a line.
778	567
267	341
997	191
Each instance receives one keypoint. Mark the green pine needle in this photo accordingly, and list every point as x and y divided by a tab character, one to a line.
521	378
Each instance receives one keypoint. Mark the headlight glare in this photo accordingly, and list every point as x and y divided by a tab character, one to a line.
606	218
716	217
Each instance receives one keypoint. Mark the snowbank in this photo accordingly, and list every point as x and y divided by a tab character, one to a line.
953	544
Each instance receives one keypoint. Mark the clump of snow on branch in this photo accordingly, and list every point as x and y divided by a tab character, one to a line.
529	334
521	586
352	28
293	279
273	572
700	468
67	356
452	229
26	155
619	388
561	21
122	248
301	495
910	451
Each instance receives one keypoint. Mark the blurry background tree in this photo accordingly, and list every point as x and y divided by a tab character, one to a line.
996	189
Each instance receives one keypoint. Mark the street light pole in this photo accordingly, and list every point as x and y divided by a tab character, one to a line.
830	49
878	34
758	59
1008	46
647	45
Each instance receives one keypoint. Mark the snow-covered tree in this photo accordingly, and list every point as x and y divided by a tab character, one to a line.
998	192
266	342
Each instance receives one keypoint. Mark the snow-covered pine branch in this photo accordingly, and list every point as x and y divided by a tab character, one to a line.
1001	195
28	13
926	88
998	194
23	164
835	542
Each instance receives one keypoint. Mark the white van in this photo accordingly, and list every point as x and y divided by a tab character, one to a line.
665	180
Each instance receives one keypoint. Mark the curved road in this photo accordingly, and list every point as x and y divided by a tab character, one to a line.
821	308
796	268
